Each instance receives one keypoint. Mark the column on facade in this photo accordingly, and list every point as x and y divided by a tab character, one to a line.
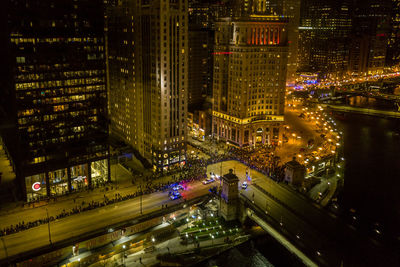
265	36
90	175
263	136
69	179
269	35
279	35
273	35
47	183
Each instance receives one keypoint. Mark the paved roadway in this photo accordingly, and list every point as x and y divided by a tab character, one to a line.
87	221
318	230
298	216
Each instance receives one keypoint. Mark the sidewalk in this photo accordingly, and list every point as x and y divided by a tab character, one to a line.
12	215
172	246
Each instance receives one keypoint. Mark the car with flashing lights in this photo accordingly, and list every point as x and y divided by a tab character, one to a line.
244	185
208	181
214	176
178	187
175	195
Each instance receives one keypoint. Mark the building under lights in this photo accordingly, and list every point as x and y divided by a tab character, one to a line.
148	78
250	61
370	36
324	37
54	93
393	49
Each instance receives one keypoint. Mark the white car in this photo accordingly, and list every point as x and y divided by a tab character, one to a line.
244	185
208	181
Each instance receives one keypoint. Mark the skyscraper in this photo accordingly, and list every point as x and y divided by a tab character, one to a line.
148	61
291	10
287	8
324	40
393	50
370	35
249	79
54	91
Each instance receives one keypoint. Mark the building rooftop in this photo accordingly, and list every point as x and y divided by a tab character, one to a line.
294	164
230	177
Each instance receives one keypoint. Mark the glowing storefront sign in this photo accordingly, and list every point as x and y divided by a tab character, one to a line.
36	186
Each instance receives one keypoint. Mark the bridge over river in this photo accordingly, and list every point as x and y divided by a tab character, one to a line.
319	237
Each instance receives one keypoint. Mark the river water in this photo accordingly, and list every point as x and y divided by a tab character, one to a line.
372	174
371	188
261	251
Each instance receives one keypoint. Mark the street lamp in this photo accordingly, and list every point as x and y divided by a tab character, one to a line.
5	248
123	255
48	224
141	199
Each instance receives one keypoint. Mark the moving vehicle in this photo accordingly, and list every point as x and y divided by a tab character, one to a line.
177	187
208	180
175	195
244	185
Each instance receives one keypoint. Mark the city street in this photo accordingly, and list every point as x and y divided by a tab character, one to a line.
316	229
88	221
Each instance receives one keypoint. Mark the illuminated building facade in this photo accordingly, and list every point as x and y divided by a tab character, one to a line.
201	43
148	73
288	8
393	50
371	22
324	37
370	34
291	10
54	90
250	61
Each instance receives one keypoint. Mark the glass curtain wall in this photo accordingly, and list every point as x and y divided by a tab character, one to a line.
35	187
58	182
99	172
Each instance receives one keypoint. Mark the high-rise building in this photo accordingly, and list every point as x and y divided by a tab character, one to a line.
324	37
369	38
288	8
393	49
249	81
53	88
291	10
147	64
202	16
201	43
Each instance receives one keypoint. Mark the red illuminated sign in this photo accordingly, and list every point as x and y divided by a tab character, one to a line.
36	186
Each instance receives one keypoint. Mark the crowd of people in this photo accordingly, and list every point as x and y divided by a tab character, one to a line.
191	172
262	160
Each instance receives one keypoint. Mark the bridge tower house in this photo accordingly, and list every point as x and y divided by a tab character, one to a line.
229	196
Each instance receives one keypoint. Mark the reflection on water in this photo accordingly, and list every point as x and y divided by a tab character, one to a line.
366	102
372	175
261	251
